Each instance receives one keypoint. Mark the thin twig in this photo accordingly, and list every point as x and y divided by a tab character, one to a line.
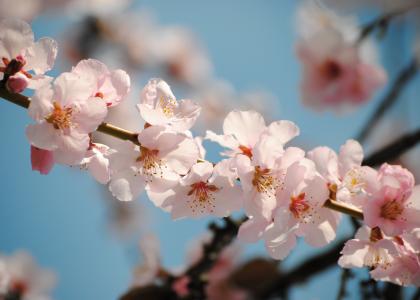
393	150
344	208
346	274
383	20
404	77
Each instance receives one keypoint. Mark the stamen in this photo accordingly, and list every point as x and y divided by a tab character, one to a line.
264	182
168	106
391	210
202	197
60	118
298	205
151	163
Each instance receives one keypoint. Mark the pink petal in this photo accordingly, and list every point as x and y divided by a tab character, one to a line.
42	160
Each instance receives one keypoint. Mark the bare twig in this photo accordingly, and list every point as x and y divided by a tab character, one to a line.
346	275
393	150
404	77
382	21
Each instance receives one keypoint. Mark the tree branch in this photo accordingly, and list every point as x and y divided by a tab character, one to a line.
404	77
393	150
383	20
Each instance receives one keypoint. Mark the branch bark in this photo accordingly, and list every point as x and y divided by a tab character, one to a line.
404	77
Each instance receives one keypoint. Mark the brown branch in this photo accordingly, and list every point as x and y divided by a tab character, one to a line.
404	77
382	21
394	150
305	270
106	128
344	208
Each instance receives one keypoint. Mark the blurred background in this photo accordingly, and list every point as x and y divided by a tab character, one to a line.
222	54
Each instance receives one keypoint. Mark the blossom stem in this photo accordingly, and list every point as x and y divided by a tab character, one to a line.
404	77
344	208
106	128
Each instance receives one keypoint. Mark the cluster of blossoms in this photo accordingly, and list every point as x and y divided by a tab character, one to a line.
21	278
282	189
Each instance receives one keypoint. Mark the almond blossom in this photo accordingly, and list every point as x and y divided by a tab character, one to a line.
24	278
205	190
19	55
158	106
348	181
370	248
154	166
337	72
65	114
111	86
243	129
395	205
300	212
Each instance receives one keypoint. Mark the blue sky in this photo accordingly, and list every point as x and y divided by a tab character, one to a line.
62	219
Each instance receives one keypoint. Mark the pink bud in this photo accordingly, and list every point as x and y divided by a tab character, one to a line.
42	160
17	83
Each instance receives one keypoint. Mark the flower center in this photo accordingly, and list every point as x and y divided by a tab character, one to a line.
150	160
263	181
202	196
246	151
330	69
168	106
376	234
60	117
391	210
298	205
353	181
18	286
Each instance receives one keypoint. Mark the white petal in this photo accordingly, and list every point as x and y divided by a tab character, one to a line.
252	230
353	254
90	114
42	135
351	155
227	141
283	130
246	126
69	89
326	162
41	56
125	186
41	103
200	171
99	168
15	37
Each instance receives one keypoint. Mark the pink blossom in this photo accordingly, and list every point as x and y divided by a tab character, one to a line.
337	73
154	166
111	86
395	206
97	163
405	267
262	176
65	115
205	190
42	160
369	248
19	54
243	129
347	179
158	106
25	278
300	212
